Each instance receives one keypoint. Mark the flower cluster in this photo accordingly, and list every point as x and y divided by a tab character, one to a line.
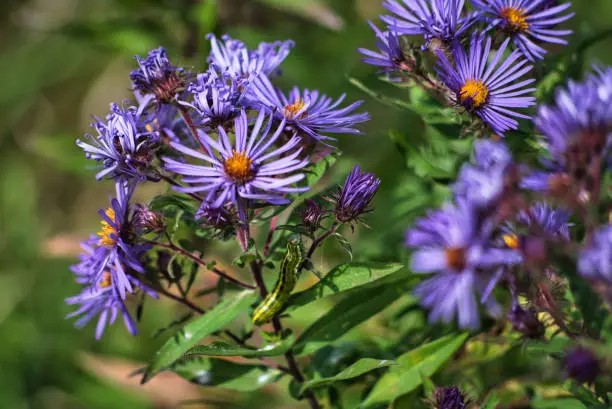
489	86
225	138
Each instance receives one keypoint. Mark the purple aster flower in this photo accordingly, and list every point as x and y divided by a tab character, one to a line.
390	57
582	365
217	97
595	260
484	184
527	22
577	126
449	397
483	87
162	121
553	221
433	19
355	197
116	236
250	169
453	245
157	76
308	112
121	146
100	299
234	57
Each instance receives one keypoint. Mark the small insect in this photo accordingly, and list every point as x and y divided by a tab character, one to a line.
275	300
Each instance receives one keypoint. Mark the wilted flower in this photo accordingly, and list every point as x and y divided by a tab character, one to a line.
156	75
121	146
452	243
595	260
247	170
312	215
484	88
308	112
449	397
527	21
147	219
217	97
233	56
390	57
582	365
355	197
526	322
433	19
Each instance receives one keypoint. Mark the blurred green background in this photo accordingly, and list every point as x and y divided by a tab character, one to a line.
62	61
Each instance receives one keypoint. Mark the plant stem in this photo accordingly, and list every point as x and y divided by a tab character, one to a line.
192	128
180	300
319	240
201	262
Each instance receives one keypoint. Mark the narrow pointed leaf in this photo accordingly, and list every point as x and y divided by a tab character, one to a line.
225	349
359	368
188	336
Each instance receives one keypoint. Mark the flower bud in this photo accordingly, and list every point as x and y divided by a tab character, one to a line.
526	322
449	397
312	215
582	365
147	219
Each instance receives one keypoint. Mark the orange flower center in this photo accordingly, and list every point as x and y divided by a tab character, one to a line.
455	258
107	231
290	111
105	282
515	18
476	91
239	167
511	241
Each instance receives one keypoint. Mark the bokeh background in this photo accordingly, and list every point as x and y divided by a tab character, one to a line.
62	61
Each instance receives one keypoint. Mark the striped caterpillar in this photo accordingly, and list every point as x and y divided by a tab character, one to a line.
275	300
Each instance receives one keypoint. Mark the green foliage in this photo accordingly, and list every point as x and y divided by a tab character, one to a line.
192	333
356	370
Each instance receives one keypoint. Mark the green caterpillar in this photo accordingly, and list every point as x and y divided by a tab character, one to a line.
275	300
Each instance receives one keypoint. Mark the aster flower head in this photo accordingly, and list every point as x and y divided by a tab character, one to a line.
308	112
528	22
121	147
101	300
484	88
433	19
233	56
577	126
156	75
390	56
160	121
582	365
355	197
217	97
595	260
449	397
116	236
249	169
452	244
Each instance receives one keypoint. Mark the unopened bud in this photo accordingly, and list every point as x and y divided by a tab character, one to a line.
526	322
147	219
449	397
582	365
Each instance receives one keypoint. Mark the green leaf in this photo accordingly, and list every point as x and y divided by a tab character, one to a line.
341	278
556	346
183	202
188	336
357	369
407	375
225	349
567	403
352	311
224	374
491	401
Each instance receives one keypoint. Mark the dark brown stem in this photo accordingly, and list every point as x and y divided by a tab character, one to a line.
319	240
294	368
266	249
192	128
201	262
180	300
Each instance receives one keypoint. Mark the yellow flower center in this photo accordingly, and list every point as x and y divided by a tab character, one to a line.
476	91
105	282
290	111
511	240
455	258
239	167
152	126
107	230
515	18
